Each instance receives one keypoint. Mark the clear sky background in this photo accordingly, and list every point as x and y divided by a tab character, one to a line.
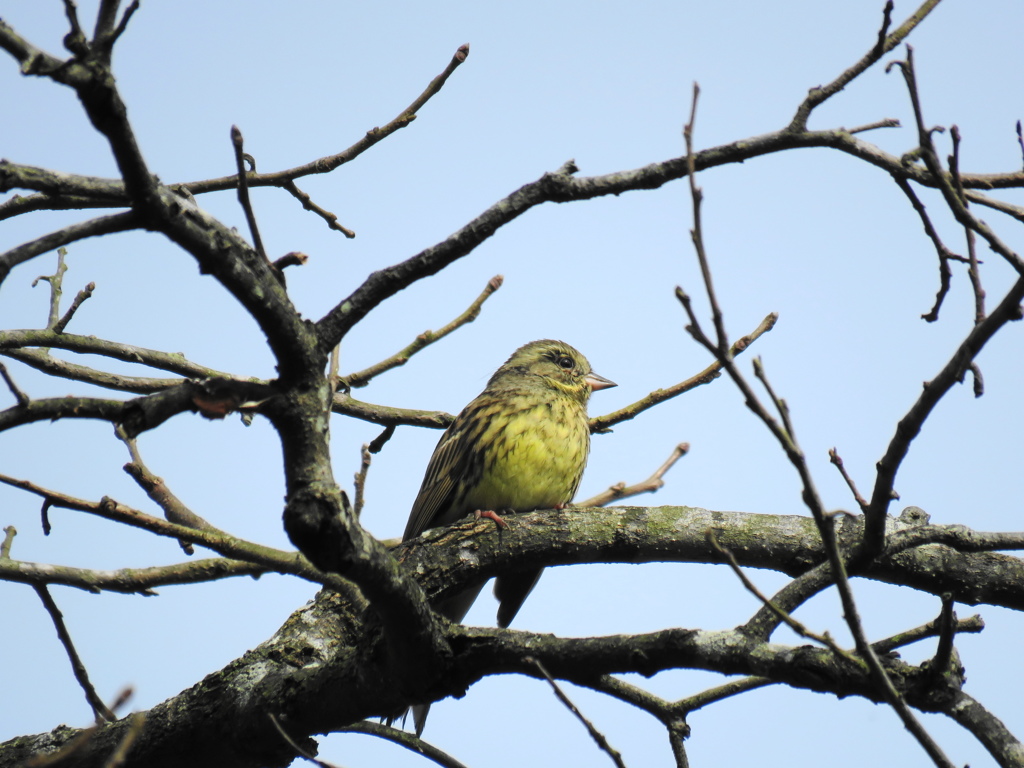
828	242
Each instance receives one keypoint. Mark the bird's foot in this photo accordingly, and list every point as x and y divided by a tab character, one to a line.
490	515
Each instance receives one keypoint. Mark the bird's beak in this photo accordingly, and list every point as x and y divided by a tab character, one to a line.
596	382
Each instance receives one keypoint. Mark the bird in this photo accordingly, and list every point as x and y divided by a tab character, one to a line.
520	445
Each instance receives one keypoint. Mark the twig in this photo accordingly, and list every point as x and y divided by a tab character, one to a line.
328	164
945	255
243	191
972	625
378	442
631	694
1014	211
650	485
595	734
1020	143
291	743
778	402
952	372
425	339
979	381
947	625
82	295
878	673
389	416
75	40
174	509
885	43
724	691
123	25
291	259
836	459
129	353
99	709
323	213
888	122
600	424
939	178
697	235
128	580
405	739
118	222
884	30
19	395
798	627
5	548
360	479
332	372
220	542
43	361
56	281
669	714
787	439
972	256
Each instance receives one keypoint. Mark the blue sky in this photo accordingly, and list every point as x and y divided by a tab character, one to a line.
828	242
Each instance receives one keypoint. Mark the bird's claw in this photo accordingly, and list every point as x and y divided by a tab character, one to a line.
490	515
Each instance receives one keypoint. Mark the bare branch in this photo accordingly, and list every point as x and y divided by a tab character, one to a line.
836	459
786	437
20	397
309	205
129	353
50	409
360	479
595	734
886	42
389	416
127	580
697	235
118	222
174	509
653	483
82	295
945	255
81	675
218	541
379	441
425	339
5	548
291	743
947	626
328	164
972	256
798	627
56	283
1004	747
405	739
41	360
600	424
974	624
243	192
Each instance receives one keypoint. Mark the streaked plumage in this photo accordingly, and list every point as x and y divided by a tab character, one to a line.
520	445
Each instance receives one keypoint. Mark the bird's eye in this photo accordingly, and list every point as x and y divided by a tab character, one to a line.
565	362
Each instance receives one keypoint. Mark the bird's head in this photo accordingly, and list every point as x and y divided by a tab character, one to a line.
553	364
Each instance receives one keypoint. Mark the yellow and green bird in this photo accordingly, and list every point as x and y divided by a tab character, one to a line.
521	445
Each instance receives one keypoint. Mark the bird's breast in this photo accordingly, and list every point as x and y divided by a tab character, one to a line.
534	459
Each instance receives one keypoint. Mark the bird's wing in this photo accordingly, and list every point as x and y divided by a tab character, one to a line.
448	466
